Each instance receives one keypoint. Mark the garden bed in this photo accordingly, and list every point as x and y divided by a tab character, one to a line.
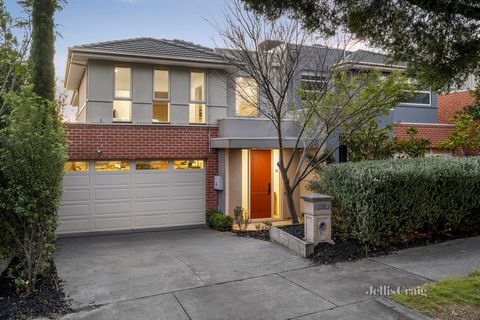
48	300
291	237
259	235
296	230
346	250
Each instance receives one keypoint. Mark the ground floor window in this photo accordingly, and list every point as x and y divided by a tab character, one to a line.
151	165
187	164
76	166
115	165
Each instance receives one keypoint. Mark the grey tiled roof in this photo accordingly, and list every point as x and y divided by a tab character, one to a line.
365	56
161	48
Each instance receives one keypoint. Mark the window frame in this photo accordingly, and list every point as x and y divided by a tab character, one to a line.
257	113
152	160
100	170
115	82
115	98
400	103
73	161
195	102
157	100
202	161
310	74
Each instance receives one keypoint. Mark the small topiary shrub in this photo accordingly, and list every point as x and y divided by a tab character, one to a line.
219	221
380	202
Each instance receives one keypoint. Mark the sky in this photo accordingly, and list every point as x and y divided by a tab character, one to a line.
87	21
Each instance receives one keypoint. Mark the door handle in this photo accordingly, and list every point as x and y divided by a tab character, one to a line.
269	189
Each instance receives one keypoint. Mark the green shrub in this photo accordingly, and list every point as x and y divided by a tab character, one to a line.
219	221
32	156
385	201
412	147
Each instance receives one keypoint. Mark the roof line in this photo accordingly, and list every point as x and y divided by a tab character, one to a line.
119	53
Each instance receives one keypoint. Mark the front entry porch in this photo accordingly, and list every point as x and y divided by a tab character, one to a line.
253	182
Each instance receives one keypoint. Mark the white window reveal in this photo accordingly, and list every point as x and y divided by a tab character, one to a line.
197	97
122	103
246	97
161	96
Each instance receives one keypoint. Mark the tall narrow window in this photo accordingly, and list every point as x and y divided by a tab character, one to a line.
197	97
161	96
122	103
246	97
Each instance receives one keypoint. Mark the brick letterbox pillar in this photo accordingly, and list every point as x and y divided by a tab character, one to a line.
317	212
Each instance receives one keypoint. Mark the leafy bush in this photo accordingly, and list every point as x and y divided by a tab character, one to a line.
369	142
474	108
465	138
474	111
219	221
32	156
412	147
242	218
385	201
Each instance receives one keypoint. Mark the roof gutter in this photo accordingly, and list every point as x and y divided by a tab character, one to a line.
145	56
372	65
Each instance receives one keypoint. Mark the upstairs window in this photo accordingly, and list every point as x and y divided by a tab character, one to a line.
161	85
418	98
161	96
313	81
197	97
122	83
246	97
122	104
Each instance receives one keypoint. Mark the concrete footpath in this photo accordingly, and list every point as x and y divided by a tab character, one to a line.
202	274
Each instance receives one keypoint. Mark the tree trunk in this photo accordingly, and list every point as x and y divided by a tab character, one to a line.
288	192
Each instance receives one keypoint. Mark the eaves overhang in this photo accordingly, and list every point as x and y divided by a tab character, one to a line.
247	143
80	56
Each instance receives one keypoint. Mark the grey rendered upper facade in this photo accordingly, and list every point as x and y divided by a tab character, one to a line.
92	73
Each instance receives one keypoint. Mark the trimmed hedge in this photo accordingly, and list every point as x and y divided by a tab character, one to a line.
379	202
219	221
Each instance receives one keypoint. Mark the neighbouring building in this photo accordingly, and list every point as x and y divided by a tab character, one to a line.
161	136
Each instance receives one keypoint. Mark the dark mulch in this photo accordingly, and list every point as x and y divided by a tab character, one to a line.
345	250
296	230
48	300
260	235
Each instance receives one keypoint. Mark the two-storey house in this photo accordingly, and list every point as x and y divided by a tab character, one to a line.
161	135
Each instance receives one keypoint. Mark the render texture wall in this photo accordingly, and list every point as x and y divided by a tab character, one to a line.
100	92
130	142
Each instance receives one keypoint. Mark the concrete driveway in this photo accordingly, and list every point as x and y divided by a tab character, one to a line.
203	274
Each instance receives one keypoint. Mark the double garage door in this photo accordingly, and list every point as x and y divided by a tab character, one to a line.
127	195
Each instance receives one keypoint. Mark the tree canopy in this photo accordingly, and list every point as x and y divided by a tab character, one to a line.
42	52
440	40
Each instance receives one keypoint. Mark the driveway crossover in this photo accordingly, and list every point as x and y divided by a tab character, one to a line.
203	274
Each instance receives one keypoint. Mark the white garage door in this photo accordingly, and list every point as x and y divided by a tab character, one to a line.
126	195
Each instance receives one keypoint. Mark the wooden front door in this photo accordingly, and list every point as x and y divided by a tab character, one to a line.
260	184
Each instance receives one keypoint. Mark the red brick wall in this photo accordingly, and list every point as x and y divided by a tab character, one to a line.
450	103
436	133
127	141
